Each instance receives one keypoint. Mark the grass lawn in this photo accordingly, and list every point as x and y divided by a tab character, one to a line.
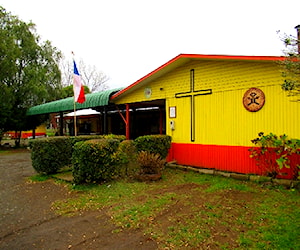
190	210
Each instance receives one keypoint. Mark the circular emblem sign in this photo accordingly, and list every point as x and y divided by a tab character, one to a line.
254	99
147	92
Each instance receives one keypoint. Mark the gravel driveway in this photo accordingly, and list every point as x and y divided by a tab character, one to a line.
28	222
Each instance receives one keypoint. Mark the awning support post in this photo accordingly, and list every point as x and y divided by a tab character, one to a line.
61	123
127	122
105	132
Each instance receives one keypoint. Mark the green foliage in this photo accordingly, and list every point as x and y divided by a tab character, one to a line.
117	137
69	92
99	159
272	153
39	178
97	196
278	216
131	216
75	139
291	66
95	161
150	163
29	72
51	154
156	144
127	155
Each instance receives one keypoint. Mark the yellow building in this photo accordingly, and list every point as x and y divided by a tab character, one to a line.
212	106
40	131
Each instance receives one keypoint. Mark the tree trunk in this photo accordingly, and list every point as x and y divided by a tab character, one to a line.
18	139
1	136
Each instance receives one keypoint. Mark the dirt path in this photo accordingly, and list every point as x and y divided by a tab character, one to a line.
28	222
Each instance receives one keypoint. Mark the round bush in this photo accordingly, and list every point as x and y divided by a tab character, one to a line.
50	154
95	161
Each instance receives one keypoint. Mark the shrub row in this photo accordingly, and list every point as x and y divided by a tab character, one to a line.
95	159
51	154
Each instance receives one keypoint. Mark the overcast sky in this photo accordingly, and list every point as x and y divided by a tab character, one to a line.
127	39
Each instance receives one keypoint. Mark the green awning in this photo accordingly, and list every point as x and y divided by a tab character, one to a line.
67	104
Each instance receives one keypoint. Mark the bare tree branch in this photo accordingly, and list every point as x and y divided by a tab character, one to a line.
91	76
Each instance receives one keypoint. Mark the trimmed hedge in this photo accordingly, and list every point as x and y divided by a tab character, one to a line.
51	154
95	158
95	161
155	144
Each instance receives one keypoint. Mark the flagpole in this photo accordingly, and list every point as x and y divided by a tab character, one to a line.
78	92
75	125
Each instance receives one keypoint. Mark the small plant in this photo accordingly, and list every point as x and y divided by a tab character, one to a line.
273	153
151	164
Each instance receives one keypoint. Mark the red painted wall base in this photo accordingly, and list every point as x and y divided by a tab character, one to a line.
225	158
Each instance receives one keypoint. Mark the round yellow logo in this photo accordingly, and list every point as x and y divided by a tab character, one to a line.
254	99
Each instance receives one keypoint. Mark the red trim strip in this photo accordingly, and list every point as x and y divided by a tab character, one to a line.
233	57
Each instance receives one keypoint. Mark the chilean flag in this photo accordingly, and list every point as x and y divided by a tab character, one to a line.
78	86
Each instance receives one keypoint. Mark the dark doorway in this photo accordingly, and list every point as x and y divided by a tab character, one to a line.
147	118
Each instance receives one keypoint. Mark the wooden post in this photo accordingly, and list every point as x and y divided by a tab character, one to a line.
75	124
105	120
61	123
160	121
127	122
33	133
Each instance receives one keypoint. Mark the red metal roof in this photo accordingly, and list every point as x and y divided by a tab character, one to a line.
183	58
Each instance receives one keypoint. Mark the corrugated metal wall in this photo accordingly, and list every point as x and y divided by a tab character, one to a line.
223	127
221	118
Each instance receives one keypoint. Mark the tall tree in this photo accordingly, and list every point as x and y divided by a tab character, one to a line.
93	78
29	72
291	65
